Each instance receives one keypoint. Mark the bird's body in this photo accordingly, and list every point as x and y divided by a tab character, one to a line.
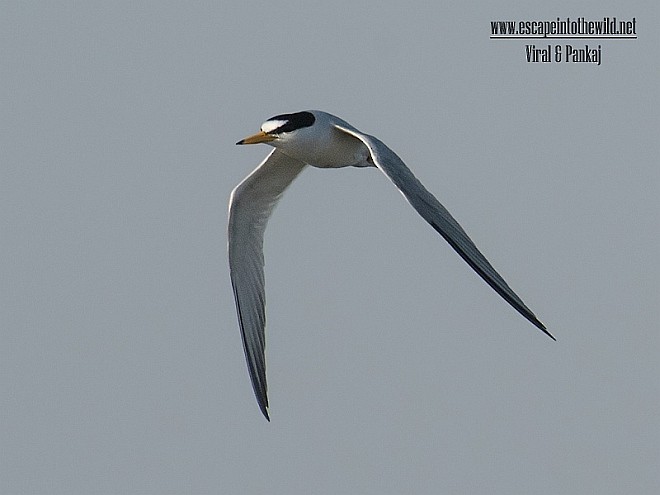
321	140
331	148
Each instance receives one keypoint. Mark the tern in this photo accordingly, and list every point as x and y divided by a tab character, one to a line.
321	140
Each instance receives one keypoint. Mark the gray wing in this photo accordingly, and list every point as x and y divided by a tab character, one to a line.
440	219
250	206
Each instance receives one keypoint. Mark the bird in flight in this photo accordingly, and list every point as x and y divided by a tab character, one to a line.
321	140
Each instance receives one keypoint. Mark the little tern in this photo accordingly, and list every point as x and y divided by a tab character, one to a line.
321	140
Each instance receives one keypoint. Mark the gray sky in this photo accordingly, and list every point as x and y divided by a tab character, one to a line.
392	367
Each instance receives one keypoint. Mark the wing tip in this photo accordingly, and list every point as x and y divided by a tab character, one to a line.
264	411
541	327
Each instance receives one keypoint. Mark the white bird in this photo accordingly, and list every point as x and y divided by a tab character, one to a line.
321	140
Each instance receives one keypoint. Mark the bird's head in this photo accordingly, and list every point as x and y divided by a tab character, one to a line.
281	128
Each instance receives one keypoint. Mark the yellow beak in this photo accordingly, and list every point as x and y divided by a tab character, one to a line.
259	137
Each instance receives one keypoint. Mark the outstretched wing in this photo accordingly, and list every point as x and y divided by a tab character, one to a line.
440	219
250	207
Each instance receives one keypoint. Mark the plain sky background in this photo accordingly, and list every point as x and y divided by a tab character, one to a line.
392	367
